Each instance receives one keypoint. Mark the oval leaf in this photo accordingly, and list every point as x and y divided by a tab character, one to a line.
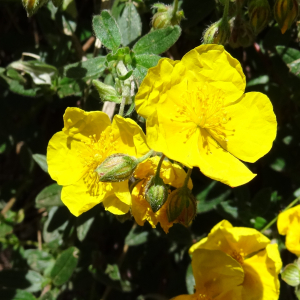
49	196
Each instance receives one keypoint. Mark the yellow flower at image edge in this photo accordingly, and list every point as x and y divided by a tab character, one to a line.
259	259
288	224
74	153
217	276
197	114
172	174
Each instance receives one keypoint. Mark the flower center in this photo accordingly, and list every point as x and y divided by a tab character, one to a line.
97	151
238	256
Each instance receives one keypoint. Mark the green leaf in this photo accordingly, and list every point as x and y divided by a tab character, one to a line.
190	280
158	41
130	110
29	281
20	89
9	294
83	227
50	196
130	24
291	57
142	63
259	80
64	266
41	160
126	76
86	69
106	30
38	260
5	229
135	239
259	223
69	86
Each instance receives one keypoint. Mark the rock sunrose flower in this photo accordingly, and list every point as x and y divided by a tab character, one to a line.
172	174
217	276
74	153
288	224
197	114
259	259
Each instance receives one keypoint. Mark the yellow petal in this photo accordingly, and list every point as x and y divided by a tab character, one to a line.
129	136
292	240
115	206
215	272
154	86
254	124
80	124
211	63
121	191
64	159
78	200
286	218
185	297
261	275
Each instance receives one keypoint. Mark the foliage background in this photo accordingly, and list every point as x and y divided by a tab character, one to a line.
45	252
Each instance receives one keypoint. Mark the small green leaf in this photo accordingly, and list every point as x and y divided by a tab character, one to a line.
190	280
126	76
49	196
259	223
158	41
41	160
130	110
83	228
64	266
130	24
259	80
106	30
135	239
38	260
10	294
291	57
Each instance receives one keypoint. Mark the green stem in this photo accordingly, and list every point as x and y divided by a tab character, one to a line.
188	175
275	219
147	155
159	165
126	87
225	13
175	8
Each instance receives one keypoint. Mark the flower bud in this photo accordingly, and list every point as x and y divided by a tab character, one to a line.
285	13
163	18
107	92
116	167
181	206
156	193
242	34
217	33
259	14
32	6
291	274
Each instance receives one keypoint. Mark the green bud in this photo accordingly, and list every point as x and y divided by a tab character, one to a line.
57	3
285	13
242	34
32	6
116	167
217	33
107	92
259	14
164	16
156	193
181	206
291	274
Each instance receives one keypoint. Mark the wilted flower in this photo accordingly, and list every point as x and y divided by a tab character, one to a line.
171	174
197	114
288	224
217	276
259	259
74	154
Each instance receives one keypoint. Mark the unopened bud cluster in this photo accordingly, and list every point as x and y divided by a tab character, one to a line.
32	6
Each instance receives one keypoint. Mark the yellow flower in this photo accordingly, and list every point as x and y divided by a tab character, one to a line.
74	153
260	259
197	114
171	174
217	276
288	224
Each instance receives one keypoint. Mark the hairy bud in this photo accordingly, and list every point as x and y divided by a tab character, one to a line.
116	167
291	274
217	33
163	17
107	92
285	13
156	193
242	34
259	14
181	206
32	6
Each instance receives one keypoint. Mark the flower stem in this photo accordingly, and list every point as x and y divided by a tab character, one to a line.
225	13
144	157
188	175
126	87
175	8
159	165
275	219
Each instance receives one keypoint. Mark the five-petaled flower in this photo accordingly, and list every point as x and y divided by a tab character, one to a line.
288	224
197	114
172	174
259	259
74	153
